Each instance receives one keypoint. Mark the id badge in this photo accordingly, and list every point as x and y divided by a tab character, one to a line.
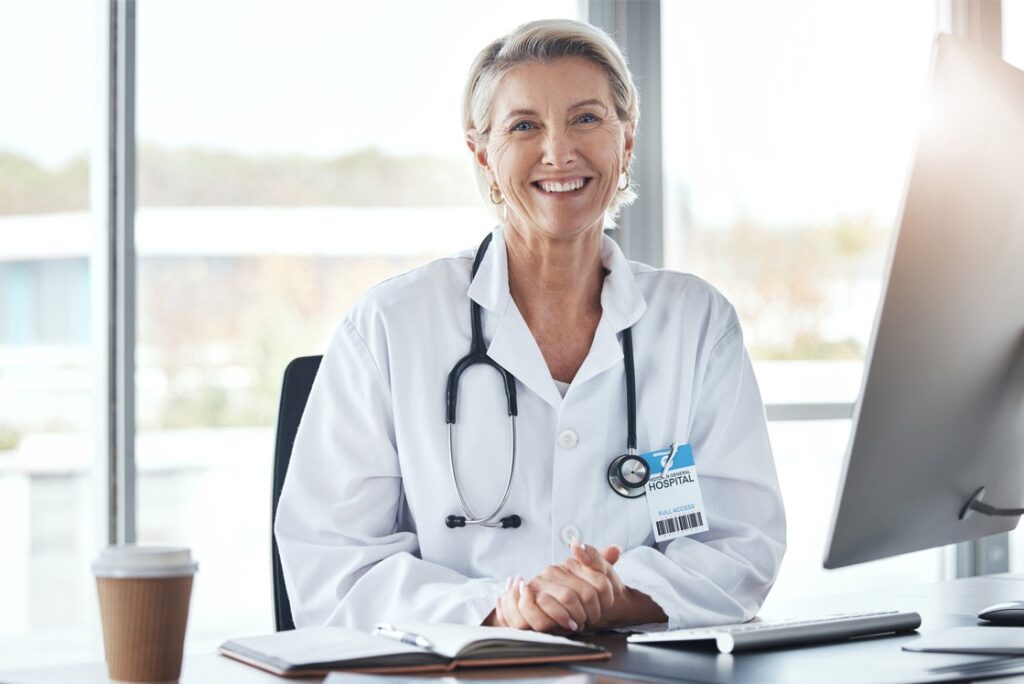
673	493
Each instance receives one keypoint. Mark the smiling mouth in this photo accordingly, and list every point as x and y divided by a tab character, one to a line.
566	188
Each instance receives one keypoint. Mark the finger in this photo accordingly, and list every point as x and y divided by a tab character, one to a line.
565	588
589	556
499	613
510	607
552	607
611	554
499	617
598	580
599	561
556	598
538	620
582	593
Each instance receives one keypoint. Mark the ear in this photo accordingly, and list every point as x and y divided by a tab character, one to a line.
479	151
629	142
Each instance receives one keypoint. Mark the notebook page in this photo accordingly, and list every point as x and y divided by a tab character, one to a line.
451	639
322	645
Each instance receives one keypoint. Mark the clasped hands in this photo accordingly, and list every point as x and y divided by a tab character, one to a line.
582	593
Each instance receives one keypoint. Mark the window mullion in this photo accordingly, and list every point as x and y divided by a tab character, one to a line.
636	27
113	273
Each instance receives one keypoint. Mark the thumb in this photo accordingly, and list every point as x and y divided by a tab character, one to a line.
611	554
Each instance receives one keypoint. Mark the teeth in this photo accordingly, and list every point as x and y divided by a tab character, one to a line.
562	187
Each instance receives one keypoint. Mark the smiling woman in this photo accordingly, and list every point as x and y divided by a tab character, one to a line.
559	150
604	84
365	522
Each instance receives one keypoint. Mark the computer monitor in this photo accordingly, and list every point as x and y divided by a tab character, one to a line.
941	414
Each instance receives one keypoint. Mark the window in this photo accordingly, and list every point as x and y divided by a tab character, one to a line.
1013	32
289	159
46	372
787	131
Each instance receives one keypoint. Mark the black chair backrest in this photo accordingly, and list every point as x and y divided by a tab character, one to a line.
298	380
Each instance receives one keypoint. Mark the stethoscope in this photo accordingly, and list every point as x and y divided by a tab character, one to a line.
627	474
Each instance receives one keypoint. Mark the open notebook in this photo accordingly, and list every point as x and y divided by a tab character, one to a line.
443	647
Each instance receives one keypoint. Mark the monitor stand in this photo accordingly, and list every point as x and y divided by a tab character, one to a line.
1012	613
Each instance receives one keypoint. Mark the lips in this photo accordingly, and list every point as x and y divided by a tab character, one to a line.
567	186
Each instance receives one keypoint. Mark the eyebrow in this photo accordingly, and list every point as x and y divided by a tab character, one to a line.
577	105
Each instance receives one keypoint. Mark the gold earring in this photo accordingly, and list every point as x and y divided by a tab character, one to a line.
626	186
496	191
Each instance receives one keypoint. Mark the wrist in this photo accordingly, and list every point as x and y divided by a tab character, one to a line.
634	608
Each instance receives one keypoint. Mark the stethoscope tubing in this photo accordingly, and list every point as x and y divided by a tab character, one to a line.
478	355
471	518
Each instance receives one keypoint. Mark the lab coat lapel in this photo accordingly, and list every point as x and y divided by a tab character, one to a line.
514	347
622	305
512	344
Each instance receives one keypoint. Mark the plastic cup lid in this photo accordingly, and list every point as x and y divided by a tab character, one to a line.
144	561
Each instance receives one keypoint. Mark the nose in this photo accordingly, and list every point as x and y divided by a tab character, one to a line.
559	148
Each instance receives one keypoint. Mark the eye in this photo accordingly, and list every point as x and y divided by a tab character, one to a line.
587	119
522	126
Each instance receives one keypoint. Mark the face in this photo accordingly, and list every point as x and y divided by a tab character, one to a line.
557	148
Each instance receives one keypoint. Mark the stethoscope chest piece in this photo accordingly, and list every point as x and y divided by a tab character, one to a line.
628	475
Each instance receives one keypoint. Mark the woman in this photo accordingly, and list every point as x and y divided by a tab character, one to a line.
370	525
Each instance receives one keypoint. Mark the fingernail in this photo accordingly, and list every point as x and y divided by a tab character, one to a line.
522	586
573	626
583	546
508	583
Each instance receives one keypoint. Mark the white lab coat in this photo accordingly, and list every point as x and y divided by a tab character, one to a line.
360	523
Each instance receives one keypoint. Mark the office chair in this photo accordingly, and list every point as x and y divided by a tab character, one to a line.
298	380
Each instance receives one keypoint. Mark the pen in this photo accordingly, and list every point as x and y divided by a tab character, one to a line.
386	630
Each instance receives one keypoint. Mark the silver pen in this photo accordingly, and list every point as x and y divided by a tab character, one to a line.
386	630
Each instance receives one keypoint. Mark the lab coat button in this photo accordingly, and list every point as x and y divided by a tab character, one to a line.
567	439
569	533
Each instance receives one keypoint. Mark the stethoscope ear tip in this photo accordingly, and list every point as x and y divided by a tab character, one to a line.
453	521
511	521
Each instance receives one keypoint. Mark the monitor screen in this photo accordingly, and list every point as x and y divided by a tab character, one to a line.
941	412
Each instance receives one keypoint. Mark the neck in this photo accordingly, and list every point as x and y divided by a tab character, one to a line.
555	278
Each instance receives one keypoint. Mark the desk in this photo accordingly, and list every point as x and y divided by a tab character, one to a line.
863	661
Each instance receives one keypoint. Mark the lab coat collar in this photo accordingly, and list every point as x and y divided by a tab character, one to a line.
514	347
489	288
622	305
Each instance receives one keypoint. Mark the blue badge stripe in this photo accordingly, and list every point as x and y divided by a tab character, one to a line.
683	458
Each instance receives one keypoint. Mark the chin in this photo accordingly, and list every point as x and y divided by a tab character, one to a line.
571	226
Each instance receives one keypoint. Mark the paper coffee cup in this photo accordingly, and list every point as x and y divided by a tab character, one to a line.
144	596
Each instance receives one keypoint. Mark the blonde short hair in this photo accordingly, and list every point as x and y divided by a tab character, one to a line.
543	41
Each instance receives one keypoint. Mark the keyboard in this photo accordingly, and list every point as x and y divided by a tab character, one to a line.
759	634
